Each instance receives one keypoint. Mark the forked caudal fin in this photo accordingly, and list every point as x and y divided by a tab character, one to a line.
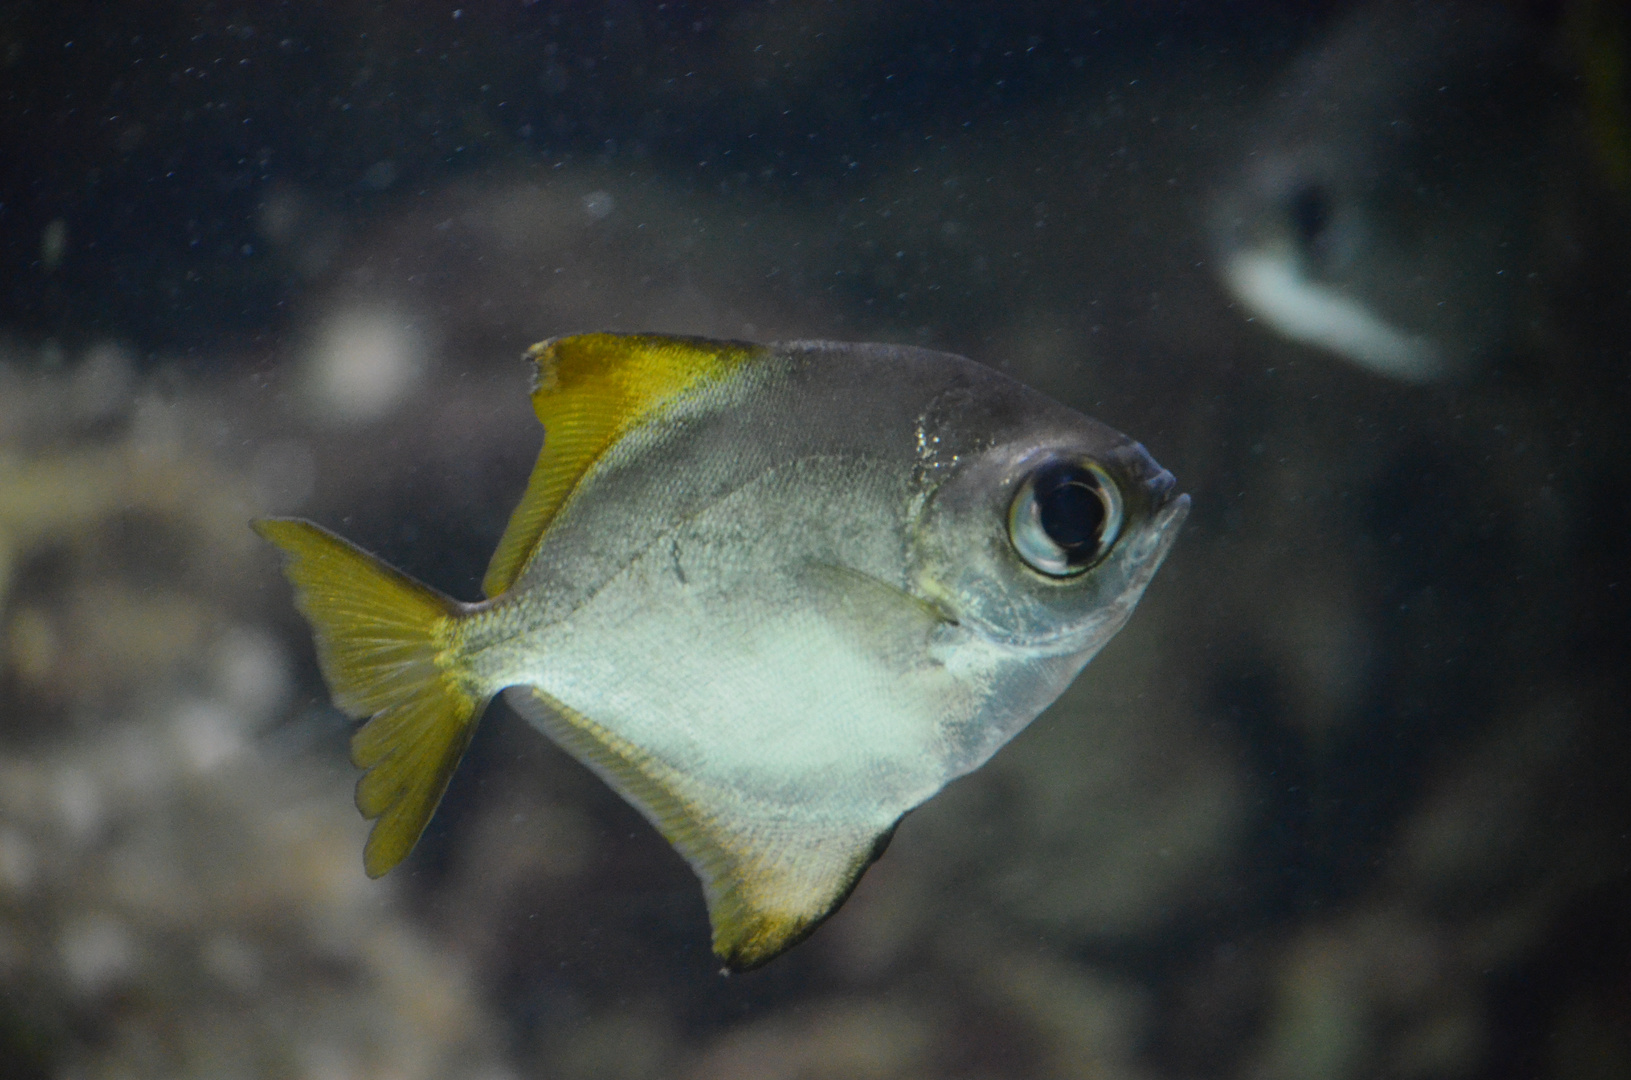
388	647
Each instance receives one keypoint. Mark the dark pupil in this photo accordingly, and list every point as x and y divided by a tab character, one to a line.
1310	213
1070	508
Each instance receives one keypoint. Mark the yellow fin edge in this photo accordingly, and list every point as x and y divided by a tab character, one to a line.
764	895
589	391
387	646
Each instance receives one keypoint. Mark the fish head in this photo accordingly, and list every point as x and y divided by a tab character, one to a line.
1037	528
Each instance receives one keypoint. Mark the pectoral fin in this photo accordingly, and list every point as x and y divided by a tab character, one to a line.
769	880
885	616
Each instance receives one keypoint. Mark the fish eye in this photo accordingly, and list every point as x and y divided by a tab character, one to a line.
1309	208
1065	517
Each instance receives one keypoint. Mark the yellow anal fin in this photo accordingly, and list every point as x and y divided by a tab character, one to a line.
388	649
780	885
768	882
589	390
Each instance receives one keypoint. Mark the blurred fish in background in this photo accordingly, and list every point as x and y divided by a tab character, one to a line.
1346	798
1397	200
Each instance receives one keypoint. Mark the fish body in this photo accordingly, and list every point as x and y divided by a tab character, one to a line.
771	594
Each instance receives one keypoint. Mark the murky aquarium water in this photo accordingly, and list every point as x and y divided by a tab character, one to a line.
1231	653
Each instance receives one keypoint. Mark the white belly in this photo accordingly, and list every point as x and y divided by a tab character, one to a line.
766	681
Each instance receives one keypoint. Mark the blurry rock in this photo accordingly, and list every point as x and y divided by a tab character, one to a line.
180	886
480	271
847	1040
363	363
103	381
1073	1020
630	1043
1376	995
283	475
216	924
1533	813
87	533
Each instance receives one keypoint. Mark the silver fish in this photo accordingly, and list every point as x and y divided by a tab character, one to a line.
776	596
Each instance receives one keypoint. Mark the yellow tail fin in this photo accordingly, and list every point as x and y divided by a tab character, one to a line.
388	649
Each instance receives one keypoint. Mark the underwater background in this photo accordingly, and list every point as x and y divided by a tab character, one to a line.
1347	798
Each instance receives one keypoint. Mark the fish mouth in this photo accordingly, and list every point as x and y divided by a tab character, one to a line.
1159	485
1150	549
1167	511
1170	516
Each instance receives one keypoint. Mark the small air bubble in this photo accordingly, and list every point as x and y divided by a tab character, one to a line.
599	204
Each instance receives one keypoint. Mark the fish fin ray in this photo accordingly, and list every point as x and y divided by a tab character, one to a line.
768	884
858	596
882	619
589	390
386	646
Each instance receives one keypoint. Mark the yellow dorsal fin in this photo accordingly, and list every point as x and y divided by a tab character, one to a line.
589	391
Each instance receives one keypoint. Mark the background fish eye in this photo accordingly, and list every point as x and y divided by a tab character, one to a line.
1309	210
1065	518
